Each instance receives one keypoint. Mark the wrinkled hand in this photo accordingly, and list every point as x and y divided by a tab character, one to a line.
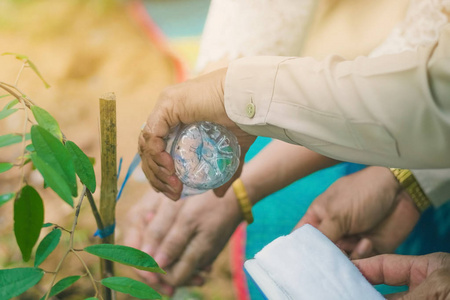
184	237
427	276
199	99
364	213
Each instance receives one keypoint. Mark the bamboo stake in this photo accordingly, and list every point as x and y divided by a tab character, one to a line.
108	192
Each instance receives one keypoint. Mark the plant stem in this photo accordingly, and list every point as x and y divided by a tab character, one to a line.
98	218
72	233
108	192
88	272
20	73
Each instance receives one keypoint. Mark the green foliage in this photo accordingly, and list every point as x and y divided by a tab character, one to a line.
47	245
62	285
28	219
46	120
5	167
55	155
83	166
6	197
125	255
130	286
11	104
53	179
26	60
14	282
6	112
12	138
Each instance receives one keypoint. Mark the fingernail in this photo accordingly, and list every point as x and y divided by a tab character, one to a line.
149	216
147	249
161	259
363	248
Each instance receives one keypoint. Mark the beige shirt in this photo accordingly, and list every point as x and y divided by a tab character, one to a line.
237	28
392	110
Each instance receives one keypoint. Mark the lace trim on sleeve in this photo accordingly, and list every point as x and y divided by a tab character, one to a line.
238	28
422	25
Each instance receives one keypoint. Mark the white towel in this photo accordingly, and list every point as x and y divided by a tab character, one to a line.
307	265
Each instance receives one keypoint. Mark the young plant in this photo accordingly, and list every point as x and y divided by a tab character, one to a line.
59	161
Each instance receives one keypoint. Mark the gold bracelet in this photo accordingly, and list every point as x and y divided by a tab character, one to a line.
244	201
407	181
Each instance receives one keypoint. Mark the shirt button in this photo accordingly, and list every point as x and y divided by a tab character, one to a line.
250	110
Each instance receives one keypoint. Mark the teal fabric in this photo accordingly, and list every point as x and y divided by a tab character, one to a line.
277	214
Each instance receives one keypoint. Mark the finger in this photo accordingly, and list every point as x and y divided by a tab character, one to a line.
310	217
332	229
172	190
395	296
174	243
188	264
390	269
435	286
160	225
348	244
363	249
151	278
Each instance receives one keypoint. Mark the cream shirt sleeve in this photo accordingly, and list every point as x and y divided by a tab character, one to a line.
435	183
392	110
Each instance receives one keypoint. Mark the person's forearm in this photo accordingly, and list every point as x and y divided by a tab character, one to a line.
278	165
391	110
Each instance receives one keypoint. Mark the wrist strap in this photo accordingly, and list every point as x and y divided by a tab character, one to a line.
244	201
407	181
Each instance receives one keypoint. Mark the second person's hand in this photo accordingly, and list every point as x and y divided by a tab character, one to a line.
365	213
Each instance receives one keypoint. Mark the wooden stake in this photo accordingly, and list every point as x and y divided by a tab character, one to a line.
108	192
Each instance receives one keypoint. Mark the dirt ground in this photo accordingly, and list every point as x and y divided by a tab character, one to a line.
83	49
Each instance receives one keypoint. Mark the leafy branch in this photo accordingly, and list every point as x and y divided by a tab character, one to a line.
60	162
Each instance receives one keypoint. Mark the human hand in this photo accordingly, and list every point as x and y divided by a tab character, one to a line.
427	276
364	213
184	237
199	99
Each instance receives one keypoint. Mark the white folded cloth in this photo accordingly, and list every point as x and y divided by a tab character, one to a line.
307	265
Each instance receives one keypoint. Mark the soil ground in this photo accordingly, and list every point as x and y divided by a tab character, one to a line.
83	49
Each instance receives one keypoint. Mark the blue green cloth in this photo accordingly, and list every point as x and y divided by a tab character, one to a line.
278	213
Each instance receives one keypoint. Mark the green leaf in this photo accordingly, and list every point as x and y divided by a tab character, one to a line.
28	219
12	138
62	285
91	298
6	112
46	120
47	225
11	104
130	286
14	282
5	167
125	255
53	152
25	59
53	179
47	245
17	55
83	166
6	197
4	96
30	148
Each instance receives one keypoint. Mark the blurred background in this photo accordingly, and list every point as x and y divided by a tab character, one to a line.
83	49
